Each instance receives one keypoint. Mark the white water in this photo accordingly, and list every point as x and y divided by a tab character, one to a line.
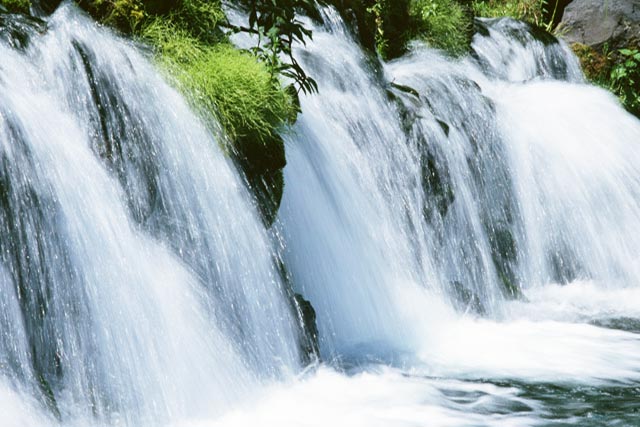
408	222
544	179
149	284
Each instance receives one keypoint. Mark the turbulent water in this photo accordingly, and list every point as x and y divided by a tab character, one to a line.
464	228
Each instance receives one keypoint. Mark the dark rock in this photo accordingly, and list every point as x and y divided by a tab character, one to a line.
595	23
554	10
160	7
309	341
405	89
262	163
45	7
436	185
480	27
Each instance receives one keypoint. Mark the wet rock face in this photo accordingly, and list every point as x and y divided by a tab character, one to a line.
596	22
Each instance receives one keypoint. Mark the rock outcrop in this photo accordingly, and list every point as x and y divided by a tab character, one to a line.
596	23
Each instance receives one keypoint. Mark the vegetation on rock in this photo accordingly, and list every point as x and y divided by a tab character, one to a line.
617	71
388	26
532	11
15	6
444	24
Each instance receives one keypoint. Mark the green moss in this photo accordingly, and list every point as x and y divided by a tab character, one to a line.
16	6
443	24
596	65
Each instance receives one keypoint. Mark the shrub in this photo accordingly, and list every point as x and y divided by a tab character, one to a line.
275	24
393	26
625	80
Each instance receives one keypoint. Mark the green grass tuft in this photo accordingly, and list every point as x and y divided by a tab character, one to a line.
443	24
531	11
231	84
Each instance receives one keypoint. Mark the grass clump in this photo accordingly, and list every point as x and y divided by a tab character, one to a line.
615	70
15	6
444	24
232	84
532	11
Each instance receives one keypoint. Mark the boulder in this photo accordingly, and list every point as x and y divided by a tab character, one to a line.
596	23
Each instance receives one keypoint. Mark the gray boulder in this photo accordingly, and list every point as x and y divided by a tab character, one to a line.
599	22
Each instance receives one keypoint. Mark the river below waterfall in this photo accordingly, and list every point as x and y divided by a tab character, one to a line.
467	231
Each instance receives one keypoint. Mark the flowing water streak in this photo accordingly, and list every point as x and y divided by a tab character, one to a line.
177	313
351	212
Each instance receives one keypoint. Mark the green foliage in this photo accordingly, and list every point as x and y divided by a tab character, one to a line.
275	24
393	26
232	84
532	11
444	24
596	65
617	71
202	19
124	15
16	6
625	80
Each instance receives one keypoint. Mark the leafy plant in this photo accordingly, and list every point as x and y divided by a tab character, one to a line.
277	29
625	80
377	12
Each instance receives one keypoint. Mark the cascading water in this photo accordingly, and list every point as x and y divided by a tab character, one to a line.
464	229
474	184
137	282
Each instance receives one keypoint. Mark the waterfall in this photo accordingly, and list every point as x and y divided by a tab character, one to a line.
137	282
429	198
464	229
